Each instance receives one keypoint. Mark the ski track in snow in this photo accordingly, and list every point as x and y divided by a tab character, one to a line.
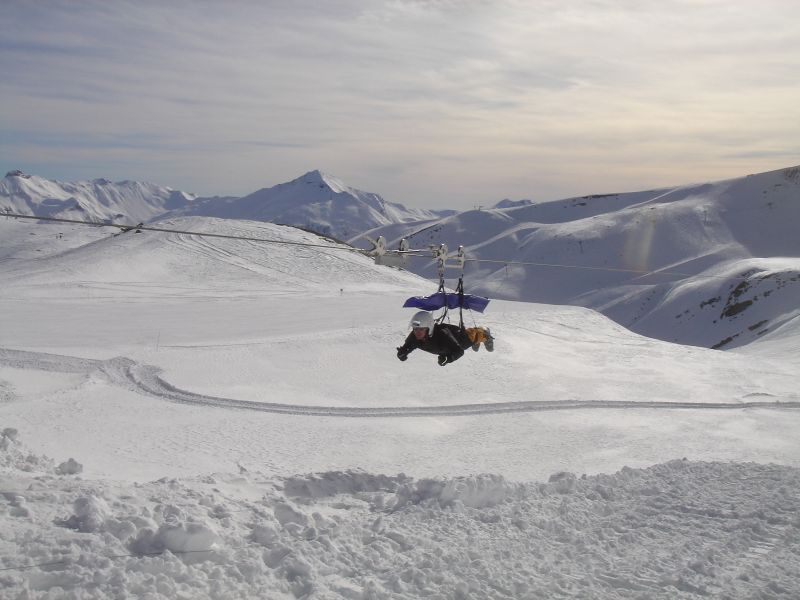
145	379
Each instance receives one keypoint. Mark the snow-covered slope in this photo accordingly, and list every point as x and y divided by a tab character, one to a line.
316	201
728	305
239	426
179	262
677	264
98	200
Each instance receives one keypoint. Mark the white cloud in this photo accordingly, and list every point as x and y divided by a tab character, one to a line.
270	90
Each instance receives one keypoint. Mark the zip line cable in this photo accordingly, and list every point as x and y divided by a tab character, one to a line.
142	227
612	269
412	253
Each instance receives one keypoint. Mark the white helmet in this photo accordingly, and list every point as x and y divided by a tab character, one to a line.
422	319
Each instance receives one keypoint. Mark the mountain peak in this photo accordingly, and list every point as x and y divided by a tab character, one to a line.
18	173
321	179
507	203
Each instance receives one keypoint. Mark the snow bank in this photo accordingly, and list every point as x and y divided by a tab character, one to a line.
676	530
14	456
474	492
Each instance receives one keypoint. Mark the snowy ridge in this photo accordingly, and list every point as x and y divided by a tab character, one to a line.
351	534
635	256
729	305
317	201
98	200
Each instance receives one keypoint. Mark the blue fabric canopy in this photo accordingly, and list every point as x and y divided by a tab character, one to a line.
450	299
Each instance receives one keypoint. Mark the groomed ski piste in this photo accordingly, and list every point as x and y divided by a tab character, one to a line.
185	417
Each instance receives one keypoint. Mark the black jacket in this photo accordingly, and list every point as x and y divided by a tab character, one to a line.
448	340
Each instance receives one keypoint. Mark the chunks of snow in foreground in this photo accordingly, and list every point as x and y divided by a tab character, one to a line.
680	529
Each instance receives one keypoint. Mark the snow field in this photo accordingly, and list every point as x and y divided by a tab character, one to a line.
231	421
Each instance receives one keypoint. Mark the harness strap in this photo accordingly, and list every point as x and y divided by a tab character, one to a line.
460	290
441	257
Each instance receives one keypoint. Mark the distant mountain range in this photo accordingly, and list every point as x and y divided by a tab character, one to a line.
97	200
315	201
712	264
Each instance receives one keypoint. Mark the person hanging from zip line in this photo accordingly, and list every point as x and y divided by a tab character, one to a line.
447	341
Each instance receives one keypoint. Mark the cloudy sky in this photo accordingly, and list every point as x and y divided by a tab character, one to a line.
445	103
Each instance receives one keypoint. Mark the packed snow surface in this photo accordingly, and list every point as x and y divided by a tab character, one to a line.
194	417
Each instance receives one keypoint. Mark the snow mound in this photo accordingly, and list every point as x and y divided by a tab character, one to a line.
474	492
69	467
351	534
15	457
324	485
